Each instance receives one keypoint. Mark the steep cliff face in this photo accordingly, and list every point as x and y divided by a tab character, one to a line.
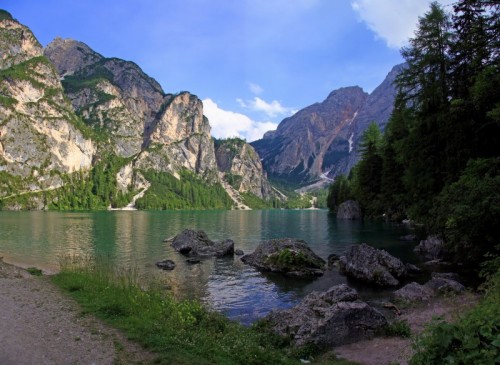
40	136
113	96
180	138
242	169
321	140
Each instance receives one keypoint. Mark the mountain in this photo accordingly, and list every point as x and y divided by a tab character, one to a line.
241	168
321	140
40	134
79	130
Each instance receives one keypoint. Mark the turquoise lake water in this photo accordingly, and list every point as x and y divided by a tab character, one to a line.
133	240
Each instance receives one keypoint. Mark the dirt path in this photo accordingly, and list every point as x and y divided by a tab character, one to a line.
395	350
39	325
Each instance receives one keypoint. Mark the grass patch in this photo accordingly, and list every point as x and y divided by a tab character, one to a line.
180	332
398	328
34	271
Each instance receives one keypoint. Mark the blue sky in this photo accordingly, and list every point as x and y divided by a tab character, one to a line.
252	62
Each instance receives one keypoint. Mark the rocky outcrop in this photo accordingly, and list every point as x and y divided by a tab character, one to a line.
327	319
17	42
288	256
242	168
414	292
349	210
40	136
196	243
372	265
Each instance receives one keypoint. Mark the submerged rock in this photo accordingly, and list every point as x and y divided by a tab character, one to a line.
372	265
239	252
166	265
289	256
349	210
196	243
327	319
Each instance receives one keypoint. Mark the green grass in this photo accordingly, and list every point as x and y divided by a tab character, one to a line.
34	271
180	332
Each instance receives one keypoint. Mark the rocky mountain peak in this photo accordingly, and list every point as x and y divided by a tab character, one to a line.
70	56
320	141
17	42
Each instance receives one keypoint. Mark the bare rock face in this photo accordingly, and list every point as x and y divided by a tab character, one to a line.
288	256
327	319
371	265
17	42
110	94
349	210
242	168
39	133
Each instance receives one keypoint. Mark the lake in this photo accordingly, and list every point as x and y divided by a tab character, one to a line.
133	240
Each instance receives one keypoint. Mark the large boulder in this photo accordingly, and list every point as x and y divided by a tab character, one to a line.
372	265
431	248
349	210
414	292
288	256
327	319
196	243
440	283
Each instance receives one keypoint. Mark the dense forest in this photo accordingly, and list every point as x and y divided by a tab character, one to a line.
437	163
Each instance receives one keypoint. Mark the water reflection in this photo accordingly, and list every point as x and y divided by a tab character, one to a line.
134	240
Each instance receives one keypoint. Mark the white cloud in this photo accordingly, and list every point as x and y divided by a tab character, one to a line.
271	110
226	123
255	88
394	21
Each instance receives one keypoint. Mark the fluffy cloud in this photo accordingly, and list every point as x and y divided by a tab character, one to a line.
392	20
272	109
226	123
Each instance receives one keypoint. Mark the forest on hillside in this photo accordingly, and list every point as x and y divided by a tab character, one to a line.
437	163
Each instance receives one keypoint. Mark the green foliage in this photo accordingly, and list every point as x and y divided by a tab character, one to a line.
473	339
467	212
87	78
254	202
25	71
179	332
188	192
287	258
233	143
96	189
34	271
398	328
367	175
233	179
7	101
339	192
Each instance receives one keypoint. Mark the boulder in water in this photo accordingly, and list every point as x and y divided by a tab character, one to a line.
372	265
289	256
